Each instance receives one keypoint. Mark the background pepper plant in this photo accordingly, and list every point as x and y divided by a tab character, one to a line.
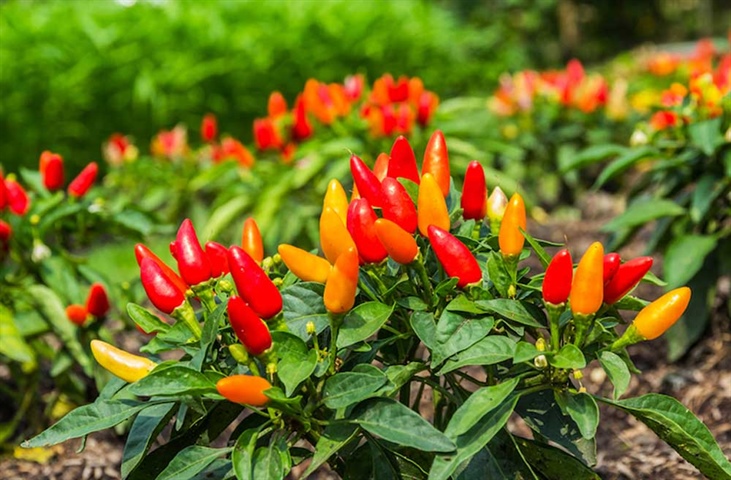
330	356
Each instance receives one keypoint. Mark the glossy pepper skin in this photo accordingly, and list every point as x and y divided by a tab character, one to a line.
367	184
51	170
611	265
217	258
397	205
142	252
17	198
334	235
342	283
627	277
510	238
337	199
436	161
124	365
304	265
77	314
251	240
431	208
164	292
455	257
361	218
587	288
251	331
474	192
400	244
380	168
497	202
658	316
80	185
403	161
193	263
557	281
246	389
253	284
97	302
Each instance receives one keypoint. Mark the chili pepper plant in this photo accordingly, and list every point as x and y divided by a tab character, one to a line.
399	349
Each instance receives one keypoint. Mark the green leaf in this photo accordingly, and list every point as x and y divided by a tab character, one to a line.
617	371
144	431
570	356
509	309
335	437
525	352
679	428
425	328
590	155
498	273
296	360
543	256
684	257
479	404
147	321
643	212
242	457
706	135
488	351
172	380
191	461
347	388
554	463
582	408
456	332
396	423
706	191
622	163
223	216
694	321
303	304
362	322
13	345
268	463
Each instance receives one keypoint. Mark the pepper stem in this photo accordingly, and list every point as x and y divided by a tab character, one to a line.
424	279
554	315
629	337
335	321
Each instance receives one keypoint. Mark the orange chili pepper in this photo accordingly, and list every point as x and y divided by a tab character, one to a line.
77	314
400	244
380	168
304	265
251	241
334	235
587	288
342	283
431	206
247	389
337	199
657	317
436	161
510	238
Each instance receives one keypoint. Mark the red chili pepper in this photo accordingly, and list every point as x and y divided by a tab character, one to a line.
266	135
51	170
455	257
173	250
436	161
611	265
400	244
17	197
217	258
251	240
361	218
253	284
627	277
366	182
192	261
3	193
77	314
403	161
163	291
80	185
397	205
301	128
97	302
209	128
380	168
474	192
142	252
251	331
557	281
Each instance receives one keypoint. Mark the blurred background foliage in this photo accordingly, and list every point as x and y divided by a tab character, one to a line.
73	72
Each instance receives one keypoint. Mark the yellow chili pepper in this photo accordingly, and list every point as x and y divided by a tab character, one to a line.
124	365
334	236
342	283
510	238
337	199
587	287
431	206
304	265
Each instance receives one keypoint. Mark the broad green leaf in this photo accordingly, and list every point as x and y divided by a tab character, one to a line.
643	212
399	375
498	273
425	328
144	431
335	437
242	456
706	135
397	423
684	257
582	408
679	428
622	163
191	461
173	380
268	463
303	304
706	191
554	463
479	404
525	352
147	321
455	332
509	309
568	357
296	360
617	371
362	322
12	344
488	351
347	388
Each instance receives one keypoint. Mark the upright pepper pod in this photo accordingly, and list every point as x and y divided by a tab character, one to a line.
217	258
251	240
510	238
80	185
368	186
587	288
431	206
400	244
397	205
253	284
361	218
17	198
342	284
302	127
337	199
380	168
455	257
497	202
557	281
124	365
611	265
403	161
627	277
209	128
334	235
77	314
304	265
276	105
251	331
193	263
246	389
51	170
141	252
97	302
162	290
436	161
474	192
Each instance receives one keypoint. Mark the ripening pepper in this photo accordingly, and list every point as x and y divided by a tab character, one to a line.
611	265
367	184
342	283
337	199
301	127
431	206
403	161
141	252
124	365
627	277
587	288
361	218
97	302
162	290
397	205
17	197
436	161
557	281
455	257
400	244
217	258
304	265
251	330
253	284
497	202
251	240
334	235
510	238
209	128
51	170
80	185
193	263
380	168
78	314
246	389
474	192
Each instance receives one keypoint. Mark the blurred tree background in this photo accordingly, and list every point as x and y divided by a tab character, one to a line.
72	72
